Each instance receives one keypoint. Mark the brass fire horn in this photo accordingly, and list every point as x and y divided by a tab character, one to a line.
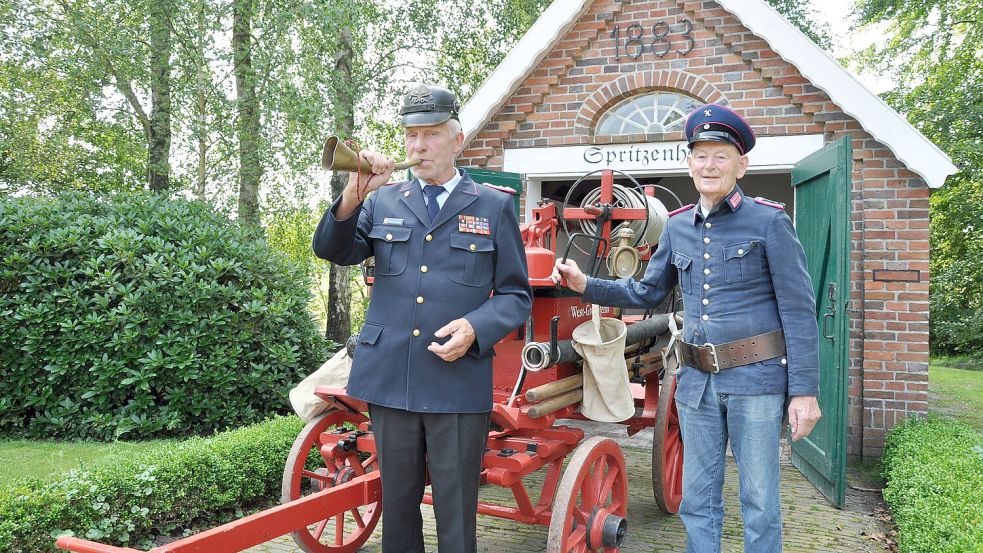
337	156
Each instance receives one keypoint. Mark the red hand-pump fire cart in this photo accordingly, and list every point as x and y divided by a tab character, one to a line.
331	492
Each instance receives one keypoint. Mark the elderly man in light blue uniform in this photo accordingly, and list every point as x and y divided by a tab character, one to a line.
750	334
450	282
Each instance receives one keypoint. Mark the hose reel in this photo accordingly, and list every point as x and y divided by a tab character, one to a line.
647	230
630	236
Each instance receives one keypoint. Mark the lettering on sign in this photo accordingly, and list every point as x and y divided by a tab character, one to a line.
586	311
644	155
634	42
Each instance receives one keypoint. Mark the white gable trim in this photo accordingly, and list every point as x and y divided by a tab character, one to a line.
887	126
555	21
918	153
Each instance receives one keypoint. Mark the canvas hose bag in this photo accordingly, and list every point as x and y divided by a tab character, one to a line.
332	374
601	342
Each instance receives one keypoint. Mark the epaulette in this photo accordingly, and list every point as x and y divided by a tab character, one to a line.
500	188
395	182
769	203
682	209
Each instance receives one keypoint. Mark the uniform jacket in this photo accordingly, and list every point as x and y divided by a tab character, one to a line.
470	263
742	272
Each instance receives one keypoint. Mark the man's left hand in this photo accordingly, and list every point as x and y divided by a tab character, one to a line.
462	336
803	413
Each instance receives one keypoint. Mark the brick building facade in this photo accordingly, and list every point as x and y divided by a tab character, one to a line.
582	58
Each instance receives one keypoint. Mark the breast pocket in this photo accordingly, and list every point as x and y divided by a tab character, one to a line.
471	259
742	261
684	266
392	248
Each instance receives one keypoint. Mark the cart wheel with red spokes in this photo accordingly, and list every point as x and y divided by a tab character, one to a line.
345	532
591	504
667	449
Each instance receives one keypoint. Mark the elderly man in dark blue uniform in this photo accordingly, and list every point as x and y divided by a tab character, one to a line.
449	264
750	338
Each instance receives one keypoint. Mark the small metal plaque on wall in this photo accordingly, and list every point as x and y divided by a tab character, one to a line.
897	276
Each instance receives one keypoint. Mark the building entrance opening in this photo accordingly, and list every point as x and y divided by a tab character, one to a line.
672	191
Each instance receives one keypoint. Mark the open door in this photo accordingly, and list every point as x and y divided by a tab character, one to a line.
822	221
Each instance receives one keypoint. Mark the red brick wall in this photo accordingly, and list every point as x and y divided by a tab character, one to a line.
561	100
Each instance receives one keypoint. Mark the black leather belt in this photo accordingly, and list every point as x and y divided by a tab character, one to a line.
713	358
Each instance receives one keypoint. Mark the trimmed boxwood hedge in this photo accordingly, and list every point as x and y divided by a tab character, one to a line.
141	316
200	482
934	472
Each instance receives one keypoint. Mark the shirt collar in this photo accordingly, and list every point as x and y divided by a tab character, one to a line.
732	201
450	185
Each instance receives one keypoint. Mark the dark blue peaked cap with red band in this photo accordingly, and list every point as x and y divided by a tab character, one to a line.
713	123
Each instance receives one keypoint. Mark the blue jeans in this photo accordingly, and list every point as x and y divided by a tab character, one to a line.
753	425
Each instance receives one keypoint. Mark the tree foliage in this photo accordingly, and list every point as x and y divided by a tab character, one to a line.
230	101
934	52
56	131
227	101
80	107
801	14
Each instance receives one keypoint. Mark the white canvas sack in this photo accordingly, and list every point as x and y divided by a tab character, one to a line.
332	374
601	342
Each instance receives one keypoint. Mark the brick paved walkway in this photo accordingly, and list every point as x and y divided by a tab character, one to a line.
810	523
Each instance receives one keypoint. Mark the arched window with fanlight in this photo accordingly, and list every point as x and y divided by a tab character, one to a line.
651	113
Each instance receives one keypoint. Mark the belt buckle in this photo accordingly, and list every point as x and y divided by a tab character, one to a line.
716	361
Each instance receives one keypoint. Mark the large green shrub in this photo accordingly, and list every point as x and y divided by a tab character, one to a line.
934	470
199	482
142	316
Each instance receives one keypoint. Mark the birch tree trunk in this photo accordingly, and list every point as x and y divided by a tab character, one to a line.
340	288
161	47
248	122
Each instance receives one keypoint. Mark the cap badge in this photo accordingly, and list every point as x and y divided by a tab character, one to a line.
419	95
706	113
707	126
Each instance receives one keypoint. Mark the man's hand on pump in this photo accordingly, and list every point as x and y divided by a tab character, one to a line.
568	270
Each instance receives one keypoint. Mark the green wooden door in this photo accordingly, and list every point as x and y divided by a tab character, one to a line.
499	178
822	221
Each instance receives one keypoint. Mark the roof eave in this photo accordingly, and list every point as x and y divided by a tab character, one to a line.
910	146
554	22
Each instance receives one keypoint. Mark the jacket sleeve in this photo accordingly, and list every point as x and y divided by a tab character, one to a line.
659	279
796	305
344	241
511	300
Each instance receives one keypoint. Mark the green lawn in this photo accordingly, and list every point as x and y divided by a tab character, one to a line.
956	392
19	458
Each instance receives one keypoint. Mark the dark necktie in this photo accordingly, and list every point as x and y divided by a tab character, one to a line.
432	206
